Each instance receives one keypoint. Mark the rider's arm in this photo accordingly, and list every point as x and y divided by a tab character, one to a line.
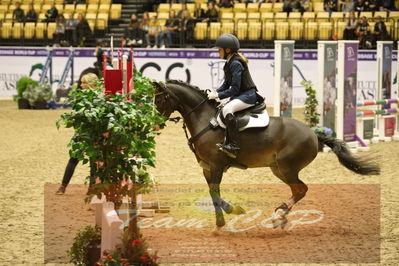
236	69
223	86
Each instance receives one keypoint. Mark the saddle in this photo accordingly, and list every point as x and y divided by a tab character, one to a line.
255	116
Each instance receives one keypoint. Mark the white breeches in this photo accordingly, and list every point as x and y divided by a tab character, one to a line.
235	106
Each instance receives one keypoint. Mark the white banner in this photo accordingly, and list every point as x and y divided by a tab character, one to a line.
201	67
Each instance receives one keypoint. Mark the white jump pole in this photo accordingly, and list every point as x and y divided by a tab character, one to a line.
326	91
346	92
283	65
112	48
124	74
115	63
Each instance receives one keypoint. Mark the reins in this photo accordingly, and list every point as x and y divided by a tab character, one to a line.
190	140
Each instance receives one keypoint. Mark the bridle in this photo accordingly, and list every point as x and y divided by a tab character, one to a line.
174	96
190	140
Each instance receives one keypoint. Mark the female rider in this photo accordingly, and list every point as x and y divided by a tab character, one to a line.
238	86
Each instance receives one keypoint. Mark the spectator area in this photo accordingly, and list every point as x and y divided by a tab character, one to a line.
97	13
256	24
266	21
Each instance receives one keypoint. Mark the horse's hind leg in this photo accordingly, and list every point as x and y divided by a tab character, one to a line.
298	189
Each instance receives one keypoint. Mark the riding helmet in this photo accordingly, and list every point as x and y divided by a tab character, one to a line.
228	41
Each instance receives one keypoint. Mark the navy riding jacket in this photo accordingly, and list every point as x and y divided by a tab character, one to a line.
233	91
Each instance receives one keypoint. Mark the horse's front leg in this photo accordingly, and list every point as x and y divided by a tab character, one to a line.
214	178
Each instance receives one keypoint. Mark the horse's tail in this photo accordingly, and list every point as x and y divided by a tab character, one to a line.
362	166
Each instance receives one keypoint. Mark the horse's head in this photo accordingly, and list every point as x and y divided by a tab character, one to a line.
165	100
187	99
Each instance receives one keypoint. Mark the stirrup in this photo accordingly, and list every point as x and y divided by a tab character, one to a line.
230	150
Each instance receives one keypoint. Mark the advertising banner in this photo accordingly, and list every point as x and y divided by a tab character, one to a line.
201	67
327	89
384	78
390	123
350	90
283	78
368	127
347	90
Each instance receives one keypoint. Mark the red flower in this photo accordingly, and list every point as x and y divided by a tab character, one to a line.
137	242
106	251
144	258
97	264
122	260
109	257
126	264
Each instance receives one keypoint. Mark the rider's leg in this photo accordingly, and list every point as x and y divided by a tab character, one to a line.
235	106
231	145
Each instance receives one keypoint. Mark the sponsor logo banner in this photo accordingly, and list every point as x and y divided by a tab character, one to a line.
201	67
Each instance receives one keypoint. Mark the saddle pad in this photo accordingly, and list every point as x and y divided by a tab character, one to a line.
249	121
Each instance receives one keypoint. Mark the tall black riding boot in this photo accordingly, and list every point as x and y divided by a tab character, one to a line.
231	145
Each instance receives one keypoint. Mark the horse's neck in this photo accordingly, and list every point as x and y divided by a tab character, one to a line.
199	118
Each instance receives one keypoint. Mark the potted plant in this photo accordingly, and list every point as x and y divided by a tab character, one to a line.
38	95
22	85
116	132
86	249
129	252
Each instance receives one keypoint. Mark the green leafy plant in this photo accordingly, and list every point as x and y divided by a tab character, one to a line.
85	239
22	85
115	134
311	114
39	93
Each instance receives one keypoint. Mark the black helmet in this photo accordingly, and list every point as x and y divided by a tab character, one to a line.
228	41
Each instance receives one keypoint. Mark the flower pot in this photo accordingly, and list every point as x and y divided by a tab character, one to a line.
93	254
40	105
23	104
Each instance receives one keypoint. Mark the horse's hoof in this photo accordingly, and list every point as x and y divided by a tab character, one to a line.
279	218
283	223
238	210
217	230
279	214
280	223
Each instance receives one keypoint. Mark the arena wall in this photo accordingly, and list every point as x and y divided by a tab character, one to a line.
201	67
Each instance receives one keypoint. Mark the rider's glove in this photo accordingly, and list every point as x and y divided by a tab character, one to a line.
213	95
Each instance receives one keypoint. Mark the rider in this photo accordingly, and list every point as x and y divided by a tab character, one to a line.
237	85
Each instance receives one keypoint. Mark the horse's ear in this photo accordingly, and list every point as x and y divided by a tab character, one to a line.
159	86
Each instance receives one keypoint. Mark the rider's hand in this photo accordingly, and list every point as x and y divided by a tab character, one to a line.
213	95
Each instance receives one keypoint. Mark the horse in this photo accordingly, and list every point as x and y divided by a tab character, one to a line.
286	146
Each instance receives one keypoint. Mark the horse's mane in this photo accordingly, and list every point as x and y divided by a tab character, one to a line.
195	89
185	84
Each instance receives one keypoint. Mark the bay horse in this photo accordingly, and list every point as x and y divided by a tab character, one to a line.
285	145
